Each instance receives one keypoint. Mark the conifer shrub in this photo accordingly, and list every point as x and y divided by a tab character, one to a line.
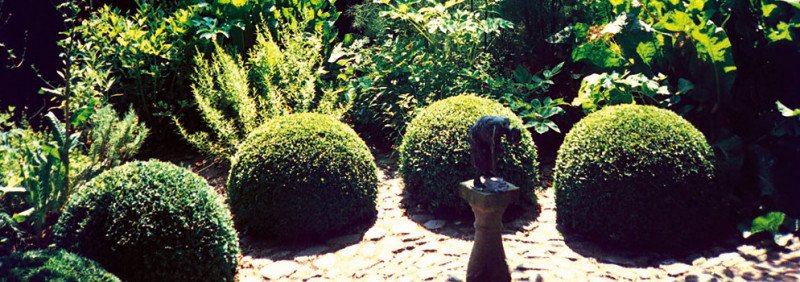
435	153
151	221
52	265
302	175
278	76
639	176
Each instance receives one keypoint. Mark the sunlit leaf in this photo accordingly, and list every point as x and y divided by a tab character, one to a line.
676	21
781	31
646	51
599	54
22	216
6	190
769	222
786	111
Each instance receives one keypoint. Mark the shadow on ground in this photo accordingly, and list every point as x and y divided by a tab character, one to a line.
216	173
724	251
260	248
460	225
449	223
620	255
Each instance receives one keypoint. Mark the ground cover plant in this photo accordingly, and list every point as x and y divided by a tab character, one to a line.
281	105
52	265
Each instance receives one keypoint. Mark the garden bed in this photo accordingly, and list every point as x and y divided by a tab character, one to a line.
322	139
407	243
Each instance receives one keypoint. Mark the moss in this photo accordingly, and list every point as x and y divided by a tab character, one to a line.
435	153
52	265
639	176
151	221
302	175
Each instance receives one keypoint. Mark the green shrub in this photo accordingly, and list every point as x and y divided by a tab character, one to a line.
604	89
33	165
687	43
302	175
279	77
235	23
640	176
151	221
51	265
435	155
140	54
429	51
534	21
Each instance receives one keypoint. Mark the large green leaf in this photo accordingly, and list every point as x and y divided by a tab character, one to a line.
676	21
57	128
769	222
647	51
713	41
781	31
772	222
521	75
696	5
599	54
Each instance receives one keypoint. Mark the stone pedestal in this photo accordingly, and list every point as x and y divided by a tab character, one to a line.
487	262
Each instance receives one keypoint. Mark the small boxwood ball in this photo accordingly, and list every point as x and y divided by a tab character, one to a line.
151	221
302	176
435	153
639	176
52	265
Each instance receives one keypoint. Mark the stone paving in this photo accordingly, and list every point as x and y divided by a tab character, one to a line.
408	244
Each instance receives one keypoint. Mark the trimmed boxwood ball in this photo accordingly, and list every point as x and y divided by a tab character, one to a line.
151	221
435	153
52	265
639	176
302	176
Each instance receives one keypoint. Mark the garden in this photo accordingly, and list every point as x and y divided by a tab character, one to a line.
325	140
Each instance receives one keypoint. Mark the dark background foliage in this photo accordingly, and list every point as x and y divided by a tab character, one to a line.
30	29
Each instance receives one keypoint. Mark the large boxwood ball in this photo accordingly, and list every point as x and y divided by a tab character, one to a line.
435	153
52	265
302	176
639	176
151	221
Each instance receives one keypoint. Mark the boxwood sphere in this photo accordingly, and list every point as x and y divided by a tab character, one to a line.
151	221
639	176
52	265
435	152
301	176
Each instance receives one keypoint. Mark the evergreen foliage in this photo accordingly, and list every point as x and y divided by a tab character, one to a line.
302	175
151	221
52	265
435	155
639	176
235	96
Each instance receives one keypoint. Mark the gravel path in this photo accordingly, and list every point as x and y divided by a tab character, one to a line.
408	244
